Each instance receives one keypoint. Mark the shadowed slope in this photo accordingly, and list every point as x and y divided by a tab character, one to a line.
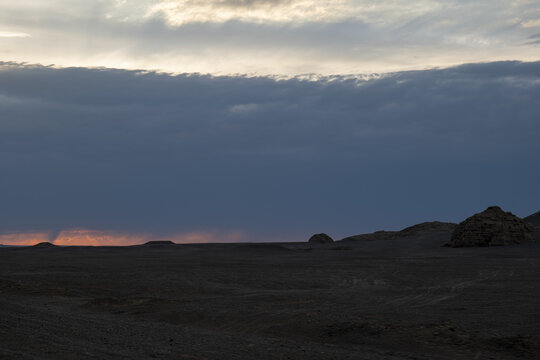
415	230
534	219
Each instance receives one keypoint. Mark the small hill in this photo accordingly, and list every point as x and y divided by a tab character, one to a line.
428	227
377	235
44	244
415	230
492	227
320	239
159	243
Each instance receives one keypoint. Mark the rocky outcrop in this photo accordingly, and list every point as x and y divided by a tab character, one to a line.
321	239
492	227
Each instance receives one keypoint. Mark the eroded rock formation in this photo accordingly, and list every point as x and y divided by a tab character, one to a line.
492	227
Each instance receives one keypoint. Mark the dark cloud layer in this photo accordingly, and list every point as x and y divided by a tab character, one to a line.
146	152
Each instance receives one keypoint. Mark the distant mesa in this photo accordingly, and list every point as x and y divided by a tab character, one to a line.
44	244
321	239
159	243
492	227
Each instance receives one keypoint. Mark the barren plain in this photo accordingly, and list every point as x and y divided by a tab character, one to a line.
405	298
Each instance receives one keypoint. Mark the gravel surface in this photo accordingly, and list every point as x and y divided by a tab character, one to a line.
408	298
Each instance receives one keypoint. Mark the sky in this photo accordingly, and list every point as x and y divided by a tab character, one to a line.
253	120
262	37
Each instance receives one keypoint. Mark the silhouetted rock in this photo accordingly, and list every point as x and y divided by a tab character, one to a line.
159	243
492	227
44	244
321	239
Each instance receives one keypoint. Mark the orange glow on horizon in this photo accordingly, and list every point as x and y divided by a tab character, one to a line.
23	239
86	237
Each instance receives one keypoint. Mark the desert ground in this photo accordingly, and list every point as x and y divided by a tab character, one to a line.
405	298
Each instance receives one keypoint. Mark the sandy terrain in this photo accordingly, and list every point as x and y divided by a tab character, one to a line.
406	298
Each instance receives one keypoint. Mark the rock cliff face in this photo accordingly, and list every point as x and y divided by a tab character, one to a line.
321	239
492	227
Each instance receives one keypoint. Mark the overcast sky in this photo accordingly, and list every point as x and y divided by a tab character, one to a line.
331	116
282	37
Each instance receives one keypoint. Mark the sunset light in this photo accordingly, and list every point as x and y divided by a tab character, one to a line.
270	179
83	237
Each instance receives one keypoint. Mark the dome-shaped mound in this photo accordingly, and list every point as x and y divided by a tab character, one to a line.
492	227
321	239
44	244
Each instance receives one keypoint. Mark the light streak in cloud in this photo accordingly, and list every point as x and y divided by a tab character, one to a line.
531	23
178	13
243	108
181	12
8	34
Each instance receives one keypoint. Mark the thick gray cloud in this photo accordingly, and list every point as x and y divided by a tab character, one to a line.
146	152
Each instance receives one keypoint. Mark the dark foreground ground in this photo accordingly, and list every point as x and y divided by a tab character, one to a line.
398	299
